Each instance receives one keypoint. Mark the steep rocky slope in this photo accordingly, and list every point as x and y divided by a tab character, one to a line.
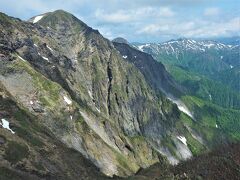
76	85
33	152
154	72
213	120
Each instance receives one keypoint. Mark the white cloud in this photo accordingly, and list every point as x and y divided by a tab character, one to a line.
165	12
117	17
215	29
153	28
197	28
140	14
106	33
214	11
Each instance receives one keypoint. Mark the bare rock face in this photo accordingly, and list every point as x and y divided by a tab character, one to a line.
154	72
76	85
2	140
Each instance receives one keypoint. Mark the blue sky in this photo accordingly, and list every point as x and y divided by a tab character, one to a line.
142	20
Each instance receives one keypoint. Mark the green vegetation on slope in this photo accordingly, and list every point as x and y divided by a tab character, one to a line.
222	163
205	88
214	120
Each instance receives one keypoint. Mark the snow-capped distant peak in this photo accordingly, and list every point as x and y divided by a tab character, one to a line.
141	47
208	45
37	18
175	47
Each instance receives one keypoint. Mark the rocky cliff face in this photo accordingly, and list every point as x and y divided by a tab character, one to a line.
80	89
154	72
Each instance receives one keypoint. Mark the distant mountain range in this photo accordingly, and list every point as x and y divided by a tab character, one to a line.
210	69
213	56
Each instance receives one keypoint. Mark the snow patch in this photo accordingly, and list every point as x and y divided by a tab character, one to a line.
172	48
125	57
182	107
45	58
208	45
182	139
49	48
37	18
5	125
231	66
98	110
35	45
90	94
171	42
71	117
221	57
216	126
210	97
67	100
31	102
182	150
141	48
21	58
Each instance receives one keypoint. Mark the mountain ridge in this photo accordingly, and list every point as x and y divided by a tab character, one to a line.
82	71
90	94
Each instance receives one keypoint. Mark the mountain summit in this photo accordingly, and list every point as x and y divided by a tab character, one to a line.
77	85
120	40
58	20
